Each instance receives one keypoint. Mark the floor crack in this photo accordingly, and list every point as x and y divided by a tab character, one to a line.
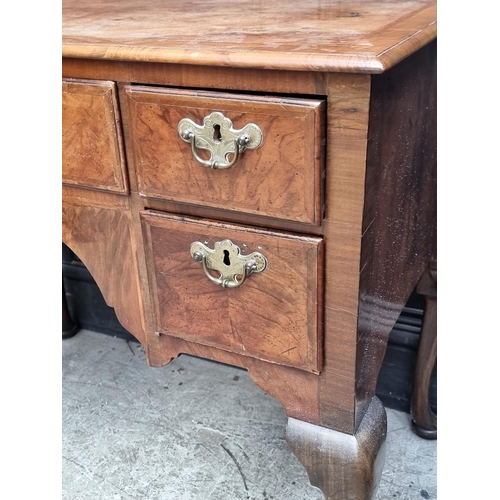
237	465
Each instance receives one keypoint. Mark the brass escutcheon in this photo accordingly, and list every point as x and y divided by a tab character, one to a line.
228	261
218	136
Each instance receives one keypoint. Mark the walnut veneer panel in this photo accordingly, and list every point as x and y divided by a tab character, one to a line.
98	227
281	179
91	136
400	211
273	315
354	36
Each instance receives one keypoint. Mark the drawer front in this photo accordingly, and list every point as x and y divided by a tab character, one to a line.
92	148
273	315
282	178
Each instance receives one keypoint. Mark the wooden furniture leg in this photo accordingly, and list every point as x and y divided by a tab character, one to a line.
424	420
69	327
342	466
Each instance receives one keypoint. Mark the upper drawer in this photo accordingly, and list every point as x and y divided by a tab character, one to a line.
91	138
282	178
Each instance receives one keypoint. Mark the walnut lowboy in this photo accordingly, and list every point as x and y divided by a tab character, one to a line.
265	200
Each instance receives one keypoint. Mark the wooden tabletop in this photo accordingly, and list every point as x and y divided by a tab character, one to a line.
361	36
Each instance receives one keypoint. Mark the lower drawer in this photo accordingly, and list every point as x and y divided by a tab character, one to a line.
274	315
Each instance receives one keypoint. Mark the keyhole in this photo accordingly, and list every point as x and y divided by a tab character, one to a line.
226	260
217	136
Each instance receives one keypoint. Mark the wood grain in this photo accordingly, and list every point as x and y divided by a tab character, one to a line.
342	466
92	146
235	217
274	315
97	228
399	229
354	36
281	179
277	380
347	132
200	77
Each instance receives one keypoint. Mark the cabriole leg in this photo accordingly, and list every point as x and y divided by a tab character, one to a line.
342	466
424	420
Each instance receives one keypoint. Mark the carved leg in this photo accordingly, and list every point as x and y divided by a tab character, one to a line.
69	328
342	466
424	420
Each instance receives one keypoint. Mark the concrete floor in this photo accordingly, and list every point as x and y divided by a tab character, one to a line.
194	430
